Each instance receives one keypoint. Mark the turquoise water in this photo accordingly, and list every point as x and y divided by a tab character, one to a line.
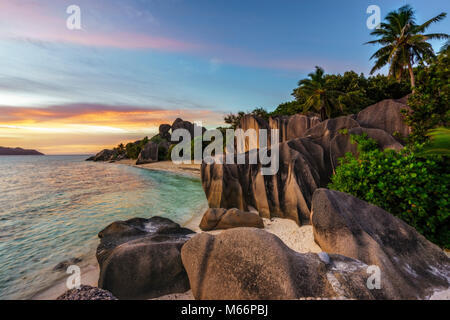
52	207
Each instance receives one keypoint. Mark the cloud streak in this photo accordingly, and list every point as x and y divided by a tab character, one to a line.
102	115
88	128
29	21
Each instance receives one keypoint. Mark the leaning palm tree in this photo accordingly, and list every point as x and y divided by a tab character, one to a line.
318	96
403	42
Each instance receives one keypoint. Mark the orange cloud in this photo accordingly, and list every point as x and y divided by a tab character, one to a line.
87	128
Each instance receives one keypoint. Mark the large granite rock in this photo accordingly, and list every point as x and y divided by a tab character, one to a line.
305	164
411	267
252	264
255	123
164	131
189	126
341	143
290	127
87	293
152	151
104	155
140	258
286	195
215	219
386	115
298	125
148	154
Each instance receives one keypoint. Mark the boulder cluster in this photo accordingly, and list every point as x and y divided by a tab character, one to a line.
367	253
153	150
308	153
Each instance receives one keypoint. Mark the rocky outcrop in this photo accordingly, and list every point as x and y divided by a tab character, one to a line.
152	151
290	127
164	131
304	165
386	115
104	155
286	195
342	143
252	264
189	126
148	154
411	266
215	219
140	258
87	293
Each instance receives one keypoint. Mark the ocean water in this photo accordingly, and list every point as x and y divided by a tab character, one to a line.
52	208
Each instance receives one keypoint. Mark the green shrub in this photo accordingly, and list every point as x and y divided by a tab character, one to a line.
431	99
133	149
157	139
413	187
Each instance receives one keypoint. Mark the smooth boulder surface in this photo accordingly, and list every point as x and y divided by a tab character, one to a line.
215	219
252	264
411	266
386	115
87	293
140	258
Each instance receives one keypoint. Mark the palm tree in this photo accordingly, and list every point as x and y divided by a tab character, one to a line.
318	96
403	42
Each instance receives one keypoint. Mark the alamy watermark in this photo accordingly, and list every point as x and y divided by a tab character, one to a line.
74	280
237	147
374	20
73	22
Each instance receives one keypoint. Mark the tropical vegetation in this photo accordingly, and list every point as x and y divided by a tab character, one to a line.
409	184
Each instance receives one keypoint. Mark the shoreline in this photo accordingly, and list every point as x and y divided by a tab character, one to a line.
90	270
298	238
187	170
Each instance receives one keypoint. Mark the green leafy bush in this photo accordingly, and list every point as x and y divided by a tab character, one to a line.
413	187
134	148
430	103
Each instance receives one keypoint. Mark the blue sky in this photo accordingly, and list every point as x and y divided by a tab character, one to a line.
194	58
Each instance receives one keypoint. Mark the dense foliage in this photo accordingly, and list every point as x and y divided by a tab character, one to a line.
134	148
356	92
407	184
430	103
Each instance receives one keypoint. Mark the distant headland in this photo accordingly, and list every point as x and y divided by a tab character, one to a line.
19	152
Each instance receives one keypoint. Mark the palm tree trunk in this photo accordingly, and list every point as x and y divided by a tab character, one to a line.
411	75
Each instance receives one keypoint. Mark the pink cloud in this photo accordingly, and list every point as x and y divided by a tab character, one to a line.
38	21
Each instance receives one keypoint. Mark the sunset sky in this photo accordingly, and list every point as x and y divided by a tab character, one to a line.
136	64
